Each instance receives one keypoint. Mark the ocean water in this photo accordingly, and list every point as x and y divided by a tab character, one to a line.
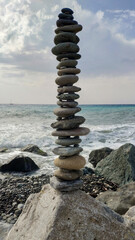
110	126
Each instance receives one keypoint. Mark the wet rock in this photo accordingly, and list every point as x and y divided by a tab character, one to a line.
19	163
34	149
3	150
99	154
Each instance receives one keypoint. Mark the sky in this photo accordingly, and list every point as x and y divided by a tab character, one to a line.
107	46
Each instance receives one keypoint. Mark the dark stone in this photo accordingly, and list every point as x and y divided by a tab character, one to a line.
68	141
69	28
68	89
98	154
119	165
66	80
65	186
67	63
88	170
34	149
68	96
63	22
19	164
66	37
65	16
69	123
67	47
67	11
68	55
67	104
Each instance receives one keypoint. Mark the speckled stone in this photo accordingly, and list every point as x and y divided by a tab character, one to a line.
67	11
67	174
81	131
68	71
68	141
64	22
69	28
65	112
69	123
67	104
75	162
68	89
65	16
65	186
67	63
68	55
66	96
67	151
66	79
66	37
66	47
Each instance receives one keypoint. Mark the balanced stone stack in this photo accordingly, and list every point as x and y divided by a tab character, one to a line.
68	129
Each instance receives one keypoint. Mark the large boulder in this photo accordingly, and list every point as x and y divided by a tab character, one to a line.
130	218
52	215
97	155
19	163
34	149
121	200
119	165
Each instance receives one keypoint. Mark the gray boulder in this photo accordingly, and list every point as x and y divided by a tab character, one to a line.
130	218
34	149
119	165
19	163
97	155
121	200
52	215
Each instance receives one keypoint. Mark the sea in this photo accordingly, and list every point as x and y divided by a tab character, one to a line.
20	125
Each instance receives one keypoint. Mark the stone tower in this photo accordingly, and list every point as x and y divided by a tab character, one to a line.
68	130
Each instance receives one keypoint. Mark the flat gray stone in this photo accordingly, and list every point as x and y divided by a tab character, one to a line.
68	89
66	37
66	79
68	141
67	63
68	71
65	112
68	96
67	104
67	151
69	123
68	55
81	131
64	22
66	47
65	186
67	11
69	28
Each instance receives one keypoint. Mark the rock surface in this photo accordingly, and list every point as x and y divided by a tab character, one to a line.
70	216
130	218
119	166
34	149
99	154
121	200
19	163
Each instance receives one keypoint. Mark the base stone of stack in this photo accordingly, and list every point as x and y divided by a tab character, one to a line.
52	215
65	186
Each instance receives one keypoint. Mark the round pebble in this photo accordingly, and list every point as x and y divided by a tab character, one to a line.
67	104
75	162
68	71
65	80
68	55
66	47
81	131
67	63
66	37
69	28
64	112
68	96
67	151
67	174
68	141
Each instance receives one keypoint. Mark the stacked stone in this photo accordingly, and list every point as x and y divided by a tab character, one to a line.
68	129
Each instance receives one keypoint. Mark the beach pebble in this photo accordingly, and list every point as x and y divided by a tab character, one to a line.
66	79
67	11
67	63
68	96
72	104
66	47
68	71
67	151
68	89
69	123
68	141
65	112
64	22
72	163
65	16
69	28
68	55
66	37
67	175
81	131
